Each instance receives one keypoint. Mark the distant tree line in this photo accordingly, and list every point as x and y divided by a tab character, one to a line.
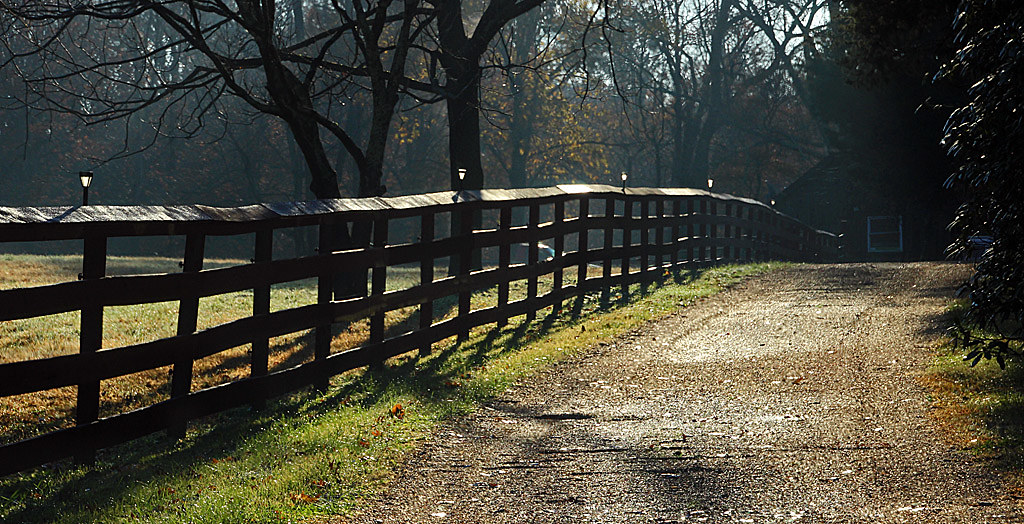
232	102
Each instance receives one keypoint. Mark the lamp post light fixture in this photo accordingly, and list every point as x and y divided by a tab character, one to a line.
710	183
624	178
86	178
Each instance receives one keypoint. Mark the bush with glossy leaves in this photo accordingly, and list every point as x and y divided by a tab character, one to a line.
985	138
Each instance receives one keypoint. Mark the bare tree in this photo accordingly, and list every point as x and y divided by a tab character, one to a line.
109	60
697	58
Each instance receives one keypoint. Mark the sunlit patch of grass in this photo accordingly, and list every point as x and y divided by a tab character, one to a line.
22	416
310	455
981	408
38	270
55	335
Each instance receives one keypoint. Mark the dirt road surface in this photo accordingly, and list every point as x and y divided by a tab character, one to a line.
790	398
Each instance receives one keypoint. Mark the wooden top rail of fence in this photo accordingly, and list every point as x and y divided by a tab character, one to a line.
601	237
74	222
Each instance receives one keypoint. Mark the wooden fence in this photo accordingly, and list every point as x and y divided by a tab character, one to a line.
604	236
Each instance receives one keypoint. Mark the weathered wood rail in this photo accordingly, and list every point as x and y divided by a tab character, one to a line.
633	236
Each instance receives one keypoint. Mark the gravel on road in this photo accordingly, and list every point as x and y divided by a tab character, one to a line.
793	397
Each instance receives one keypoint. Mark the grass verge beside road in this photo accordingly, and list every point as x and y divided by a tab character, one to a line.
308	456
981	408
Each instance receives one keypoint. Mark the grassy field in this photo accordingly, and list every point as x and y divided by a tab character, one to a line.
981	408
42	337
55	335
306	455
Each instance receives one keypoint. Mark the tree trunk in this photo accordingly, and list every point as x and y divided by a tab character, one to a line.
680	176
376	145
520	130
714	95
658	180
464	143
464	124
323	178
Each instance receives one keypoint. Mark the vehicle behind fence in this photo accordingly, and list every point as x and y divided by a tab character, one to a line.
553	243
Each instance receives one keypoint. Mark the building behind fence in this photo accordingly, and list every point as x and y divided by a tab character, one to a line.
582	239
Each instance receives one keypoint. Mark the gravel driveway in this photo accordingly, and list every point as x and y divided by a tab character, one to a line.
791	397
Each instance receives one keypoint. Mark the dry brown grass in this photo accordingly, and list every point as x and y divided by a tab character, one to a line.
31	414
981	410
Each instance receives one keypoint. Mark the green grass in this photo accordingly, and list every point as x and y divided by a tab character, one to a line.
308	455
981	408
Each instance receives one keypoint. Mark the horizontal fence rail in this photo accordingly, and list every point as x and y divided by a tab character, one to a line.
605	237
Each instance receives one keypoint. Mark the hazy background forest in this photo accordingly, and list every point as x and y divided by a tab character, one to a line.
673	92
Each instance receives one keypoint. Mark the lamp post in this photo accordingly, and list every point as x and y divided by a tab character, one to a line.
462	178
86	178
624	178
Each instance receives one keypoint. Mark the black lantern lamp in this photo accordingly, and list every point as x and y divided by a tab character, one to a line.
624	178
86	178
461	185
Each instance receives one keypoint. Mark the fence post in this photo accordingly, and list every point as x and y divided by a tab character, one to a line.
188	317
751	233
659	238
748	232
609	242
727	234
801	243
645	244
696	231
378	282
324	293
762	236
90	339
706	231
691	227
627	241
465	267
426	275
504	257
713	236
757	234
582	246
531	259
676	228
559	247
258	359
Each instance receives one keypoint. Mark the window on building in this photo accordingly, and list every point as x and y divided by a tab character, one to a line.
885	234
